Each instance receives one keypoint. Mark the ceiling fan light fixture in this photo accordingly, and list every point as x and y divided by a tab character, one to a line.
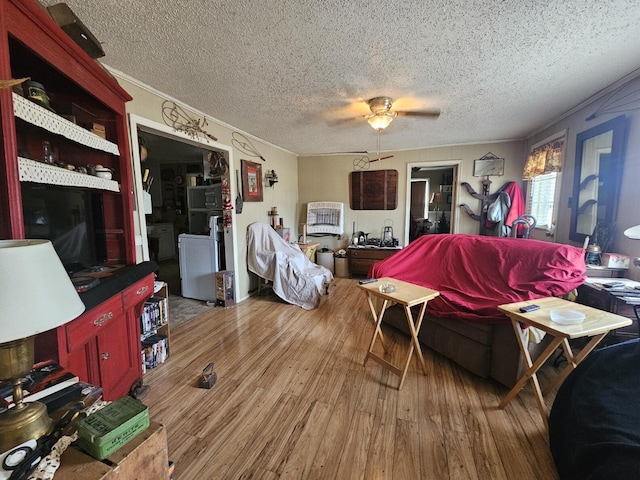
380	121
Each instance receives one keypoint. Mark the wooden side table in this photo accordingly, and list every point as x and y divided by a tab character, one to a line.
309	249
597	324
407	295
592	294
604	272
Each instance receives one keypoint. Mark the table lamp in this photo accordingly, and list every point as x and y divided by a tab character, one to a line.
634	234
36	295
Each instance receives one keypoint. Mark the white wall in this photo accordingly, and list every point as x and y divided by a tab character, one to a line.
326	178
147	103
629	201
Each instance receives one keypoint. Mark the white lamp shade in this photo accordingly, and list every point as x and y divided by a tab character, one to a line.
36	294
633	232
380	121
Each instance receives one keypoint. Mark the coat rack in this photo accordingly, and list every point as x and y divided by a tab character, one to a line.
486	166
486	199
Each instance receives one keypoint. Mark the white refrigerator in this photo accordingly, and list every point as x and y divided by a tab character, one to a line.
199	257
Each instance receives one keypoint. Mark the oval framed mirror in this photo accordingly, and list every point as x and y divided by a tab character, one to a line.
597	178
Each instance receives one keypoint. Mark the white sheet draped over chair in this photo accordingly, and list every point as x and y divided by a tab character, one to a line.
295	278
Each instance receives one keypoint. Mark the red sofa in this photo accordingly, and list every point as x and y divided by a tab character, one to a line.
474	274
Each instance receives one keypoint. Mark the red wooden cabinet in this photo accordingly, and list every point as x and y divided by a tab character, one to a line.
101	346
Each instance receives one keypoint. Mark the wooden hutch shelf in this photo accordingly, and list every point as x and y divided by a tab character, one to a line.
38	172
41	117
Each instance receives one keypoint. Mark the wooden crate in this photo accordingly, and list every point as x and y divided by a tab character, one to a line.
143	458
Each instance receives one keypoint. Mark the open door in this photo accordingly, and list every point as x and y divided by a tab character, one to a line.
431	193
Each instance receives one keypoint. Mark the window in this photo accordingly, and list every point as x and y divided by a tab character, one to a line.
541	193
541	172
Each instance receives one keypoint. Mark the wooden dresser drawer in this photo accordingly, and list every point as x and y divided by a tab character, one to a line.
88	325
361	266
373	254
138	292
361	259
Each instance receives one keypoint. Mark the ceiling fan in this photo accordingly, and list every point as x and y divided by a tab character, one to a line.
382	115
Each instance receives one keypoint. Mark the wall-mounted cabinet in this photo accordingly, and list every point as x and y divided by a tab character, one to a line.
374	190
202	203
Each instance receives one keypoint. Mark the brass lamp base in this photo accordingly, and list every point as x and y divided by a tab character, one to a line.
18	425
25	421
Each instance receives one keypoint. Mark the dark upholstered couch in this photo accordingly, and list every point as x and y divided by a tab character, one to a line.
475	275
594	426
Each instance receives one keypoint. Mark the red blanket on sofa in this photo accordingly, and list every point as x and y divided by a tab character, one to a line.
475	274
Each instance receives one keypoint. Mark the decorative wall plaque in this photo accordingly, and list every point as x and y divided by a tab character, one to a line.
374	190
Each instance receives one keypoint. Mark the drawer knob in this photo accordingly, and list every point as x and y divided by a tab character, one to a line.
101	321
105	356
143	290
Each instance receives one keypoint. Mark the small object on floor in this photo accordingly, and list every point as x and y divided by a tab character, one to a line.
209	377
139	390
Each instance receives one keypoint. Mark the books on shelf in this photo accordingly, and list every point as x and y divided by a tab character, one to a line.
44	379
154	315
155	350
154	329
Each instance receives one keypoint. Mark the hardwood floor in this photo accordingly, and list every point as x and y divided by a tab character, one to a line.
293	400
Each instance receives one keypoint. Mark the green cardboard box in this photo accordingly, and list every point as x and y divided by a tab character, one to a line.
108	429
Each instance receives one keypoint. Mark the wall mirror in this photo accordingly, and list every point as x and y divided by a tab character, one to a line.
598	174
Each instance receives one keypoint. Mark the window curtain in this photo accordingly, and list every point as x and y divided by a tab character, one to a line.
545	159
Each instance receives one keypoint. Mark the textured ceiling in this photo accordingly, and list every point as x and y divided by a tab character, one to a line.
287	71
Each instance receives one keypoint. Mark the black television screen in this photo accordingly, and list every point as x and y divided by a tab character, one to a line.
71	218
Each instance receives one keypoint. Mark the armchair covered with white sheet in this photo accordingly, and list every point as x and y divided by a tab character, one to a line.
295	278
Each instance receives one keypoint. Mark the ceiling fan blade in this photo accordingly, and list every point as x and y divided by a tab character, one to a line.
336	122
433	113
383	158
346	153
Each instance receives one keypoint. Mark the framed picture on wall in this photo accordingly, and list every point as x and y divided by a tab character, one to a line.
488	166
251	181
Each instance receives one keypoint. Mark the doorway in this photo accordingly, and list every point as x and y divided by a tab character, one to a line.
175	164
430	199
170	168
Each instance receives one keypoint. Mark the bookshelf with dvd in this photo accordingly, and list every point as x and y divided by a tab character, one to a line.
154	328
